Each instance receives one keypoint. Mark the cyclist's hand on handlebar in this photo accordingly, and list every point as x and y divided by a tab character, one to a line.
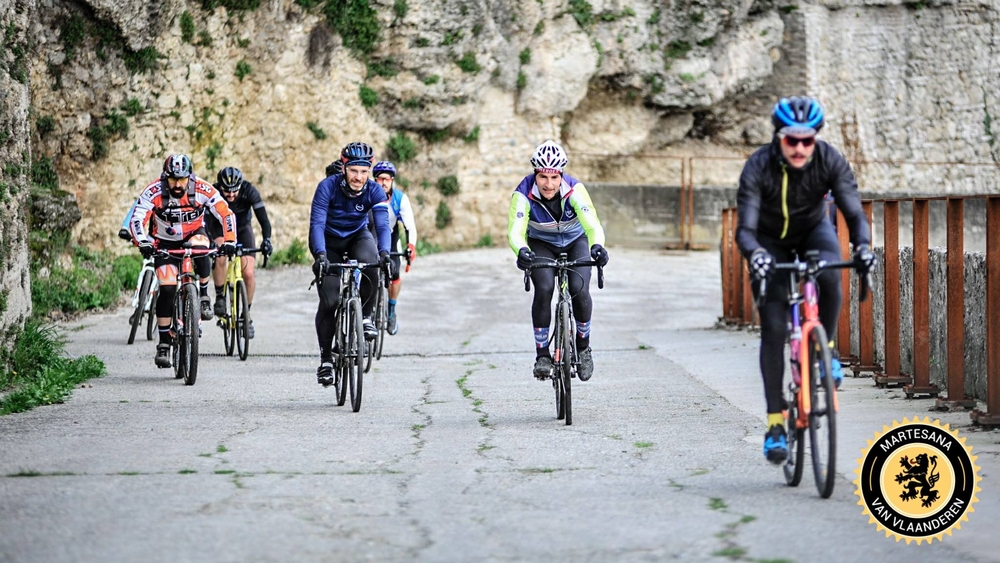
599	255
146	249
124	234
266	248
865	258
411	253
525	257
320	265
761	263
387	263
228	248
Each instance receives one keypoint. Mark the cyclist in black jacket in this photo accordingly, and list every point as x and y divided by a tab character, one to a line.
782	209
242	198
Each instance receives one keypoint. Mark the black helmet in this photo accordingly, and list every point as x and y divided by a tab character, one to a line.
334	168
178	166
357	154
798	115
230	179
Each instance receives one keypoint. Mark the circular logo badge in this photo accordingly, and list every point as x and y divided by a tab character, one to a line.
917	480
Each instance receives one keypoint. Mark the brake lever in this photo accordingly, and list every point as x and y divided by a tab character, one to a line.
600	277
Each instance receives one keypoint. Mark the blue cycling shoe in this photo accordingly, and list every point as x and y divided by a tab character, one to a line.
837	372
775	445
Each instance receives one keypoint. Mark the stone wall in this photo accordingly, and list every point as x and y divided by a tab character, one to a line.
15	156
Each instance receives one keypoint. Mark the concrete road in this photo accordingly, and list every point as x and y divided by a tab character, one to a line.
456	454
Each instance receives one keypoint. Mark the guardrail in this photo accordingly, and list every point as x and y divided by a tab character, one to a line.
737	302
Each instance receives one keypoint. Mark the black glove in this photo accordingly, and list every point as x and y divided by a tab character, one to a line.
525	257
320	265
599	255
760	264
228	248
387	263
865	258
266	247
146	249
124	234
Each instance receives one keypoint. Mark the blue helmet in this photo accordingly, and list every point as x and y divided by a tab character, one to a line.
798	115
357	154
384	167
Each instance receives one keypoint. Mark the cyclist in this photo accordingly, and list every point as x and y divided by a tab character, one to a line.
782	209
400	211
123	232
176	204
550	213
334	168
242	197
338	223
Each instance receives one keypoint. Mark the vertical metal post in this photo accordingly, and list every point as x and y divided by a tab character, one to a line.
724	251
891	374
991	416
866	332
921	304
735	265
844	324
690	201
747	299
956	308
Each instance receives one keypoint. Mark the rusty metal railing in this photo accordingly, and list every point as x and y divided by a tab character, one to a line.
737	309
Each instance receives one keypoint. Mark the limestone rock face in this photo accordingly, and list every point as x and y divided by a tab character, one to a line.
559	71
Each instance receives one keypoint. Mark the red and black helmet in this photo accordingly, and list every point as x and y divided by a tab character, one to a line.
178	166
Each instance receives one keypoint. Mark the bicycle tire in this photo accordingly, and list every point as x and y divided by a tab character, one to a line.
242	320
193	315
356	347
383	319
566	373
339	381
226	322
176	328
140	304
151	314
822	418
792	467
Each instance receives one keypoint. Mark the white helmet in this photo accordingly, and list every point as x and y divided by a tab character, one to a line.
549	157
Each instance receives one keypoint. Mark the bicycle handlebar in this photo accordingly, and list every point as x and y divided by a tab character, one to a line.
242	251
815	267
562	265
182	252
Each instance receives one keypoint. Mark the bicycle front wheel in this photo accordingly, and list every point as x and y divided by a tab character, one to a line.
140	304
796	448
355	356
382	316
226	322
242	321
189	346
151	318
568	357
822	416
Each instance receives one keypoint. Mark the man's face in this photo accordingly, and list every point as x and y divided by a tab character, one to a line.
176	186
230	196
385	180
357	176
548	183
797	149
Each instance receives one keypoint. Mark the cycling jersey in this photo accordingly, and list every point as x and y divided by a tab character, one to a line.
530	217
401	211
176	219
336	214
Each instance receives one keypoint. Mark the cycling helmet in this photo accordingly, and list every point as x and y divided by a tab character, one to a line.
549	157
178	166
384	167
357	154
798	115
230	179
334	168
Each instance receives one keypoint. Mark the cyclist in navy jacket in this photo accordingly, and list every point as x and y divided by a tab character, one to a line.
338	224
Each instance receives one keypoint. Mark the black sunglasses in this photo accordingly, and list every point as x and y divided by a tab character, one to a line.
804	141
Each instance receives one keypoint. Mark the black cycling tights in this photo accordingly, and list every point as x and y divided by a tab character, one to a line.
544	281
774	313
165	299
361	247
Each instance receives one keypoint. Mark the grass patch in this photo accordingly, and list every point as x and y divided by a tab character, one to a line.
317	131
448	185
224	471
186	472
242	69
468	63
522	80
424	248
385	68
221	449
401	148
643	445
473	135
677	49
187	27
525	56
295	254
356	22
442	217
716	503
44	125
432	79
582	11
485	241
731	552
368	96
538	470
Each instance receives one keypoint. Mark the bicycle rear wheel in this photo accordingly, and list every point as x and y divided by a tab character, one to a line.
796	448
568	357
227	323
242	320
140	304
355	356
151	318
822	418
177	347
340	339
382	316
189	346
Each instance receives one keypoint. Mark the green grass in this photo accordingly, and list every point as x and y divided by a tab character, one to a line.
432	79
442	217
448	185
242	69
716	503
356	22
186	472
424	248
221	449
485	241
643	445
224	471
582	11
473	135
401	148
317	131
468	63
368	96
525	56
94	281
731	552
295	253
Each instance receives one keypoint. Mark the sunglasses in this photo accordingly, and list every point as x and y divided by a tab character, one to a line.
793	141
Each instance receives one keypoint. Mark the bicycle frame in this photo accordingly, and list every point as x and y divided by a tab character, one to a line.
147	266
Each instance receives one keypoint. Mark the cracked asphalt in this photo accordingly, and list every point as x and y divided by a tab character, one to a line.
456	454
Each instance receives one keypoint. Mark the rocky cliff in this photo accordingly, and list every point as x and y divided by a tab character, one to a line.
466	88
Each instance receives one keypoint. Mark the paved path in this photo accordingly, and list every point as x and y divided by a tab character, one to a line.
456	454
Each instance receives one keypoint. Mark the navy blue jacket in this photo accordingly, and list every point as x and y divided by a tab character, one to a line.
335	214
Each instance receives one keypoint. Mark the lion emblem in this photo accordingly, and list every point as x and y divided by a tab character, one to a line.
920	478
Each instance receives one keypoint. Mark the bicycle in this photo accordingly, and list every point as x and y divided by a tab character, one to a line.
185	323
382	312
234	324
349	338
144	300
812	397
564	354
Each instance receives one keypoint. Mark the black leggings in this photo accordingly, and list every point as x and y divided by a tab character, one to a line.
774	313
544	281
202	267
361	247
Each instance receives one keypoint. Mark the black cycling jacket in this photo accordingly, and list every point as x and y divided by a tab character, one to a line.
782	202
249	199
